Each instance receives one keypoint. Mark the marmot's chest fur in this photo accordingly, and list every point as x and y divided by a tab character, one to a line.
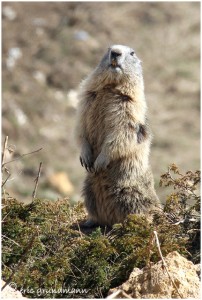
107	112
115	140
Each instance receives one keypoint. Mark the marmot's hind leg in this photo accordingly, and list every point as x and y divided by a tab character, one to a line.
89	224
90	203
131	200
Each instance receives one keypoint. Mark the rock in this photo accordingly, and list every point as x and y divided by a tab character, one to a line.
39	22
10	291
61	183
9	13
40	77
154	282
20	116
13	55
81	35
72	98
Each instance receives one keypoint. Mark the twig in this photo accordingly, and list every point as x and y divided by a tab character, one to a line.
79	229
21	259
4	236
14	177
164	263
36	182
100	293
6	214
9	175
20	156
116	293
149	249
4	151
126	295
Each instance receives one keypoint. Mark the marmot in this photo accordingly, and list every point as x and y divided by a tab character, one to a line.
115	140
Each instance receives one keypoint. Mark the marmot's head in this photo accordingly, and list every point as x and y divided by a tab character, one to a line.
119	64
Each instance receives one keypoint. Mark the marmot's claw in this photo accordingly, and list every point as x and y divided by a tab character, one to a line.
92	170
86	157
86	167
81	161
87	164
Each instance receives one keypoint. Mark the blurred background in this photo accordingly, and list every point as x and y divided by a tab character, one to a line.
49	47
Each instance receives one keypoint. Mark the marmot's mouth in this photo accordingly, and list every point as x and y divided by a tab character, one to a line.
114	63
115	66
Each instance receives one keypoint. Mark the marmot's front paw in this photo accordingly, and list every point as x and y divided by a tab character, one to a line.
87	162
101	162
86	159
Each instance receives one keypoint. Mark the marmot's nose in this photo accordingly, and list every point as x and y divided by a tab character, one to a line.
115	53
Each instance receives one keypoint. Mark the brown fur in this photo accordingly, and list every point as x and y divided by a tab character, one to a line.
115	141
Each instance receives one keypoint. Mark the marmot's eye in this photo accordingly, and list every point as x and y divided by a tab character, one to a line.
132	53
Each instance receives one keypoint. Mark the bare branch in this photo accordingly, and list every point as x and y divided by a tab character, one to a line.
116	293
164	263
79	229
20	156
36	182
14	177
9	175
3	153
4	236
148	263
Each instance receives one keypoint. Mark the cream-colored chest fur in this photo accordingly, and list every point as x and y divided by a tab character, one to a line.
108	113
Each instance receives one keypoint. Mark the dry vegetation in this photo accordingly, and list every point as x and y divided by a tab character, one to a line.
58	44
45	249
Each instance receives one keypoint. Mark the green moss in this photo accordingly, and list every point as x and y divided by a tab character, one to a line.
44	245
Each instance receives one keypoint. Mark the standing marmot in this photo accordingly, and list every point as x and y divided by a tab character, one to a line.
115	140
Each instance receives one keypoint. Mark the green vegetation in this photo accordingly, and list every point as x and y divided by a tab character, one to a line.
48	255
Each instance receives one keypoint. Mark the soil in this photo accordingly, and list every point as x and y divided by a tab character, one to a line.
49	47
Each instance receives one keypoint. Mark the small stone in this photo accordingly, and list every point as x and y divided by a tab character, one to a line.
39	22
72	98
81	35
20	116
40	77
13	55
9	13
